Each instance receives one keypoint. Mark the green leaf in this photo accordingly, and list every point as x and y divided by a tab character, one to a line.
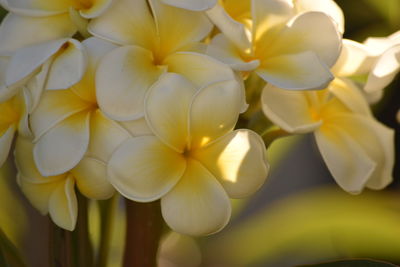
352	263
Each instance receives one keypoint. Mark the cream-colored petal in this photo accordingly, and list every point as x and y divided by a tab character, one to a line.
348	163
137	127
384	71
54	107
144	169
68	66
91	178
123	77
198	204
38	194
5	143
224	50
126	22
376	141
289	110
195	5
23	154
209	118
310	31
97	8
105	136
38	8
28	60
21	31
63	146
95	48
167	110
350	95
232	29
200	69
63	205
296	71
327	6
238	161
23	123
355	59
178	27
6	92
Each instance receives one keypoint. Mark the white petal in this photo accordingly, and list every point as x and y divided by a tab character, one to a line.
310	31
288	109
26	61
6	92
233	30
178	27
349	165
105	136
354	59
68	66
209	119
24	159
224	50
327	6
122	80
195	5
386	68
198	204
97	8
126	22
137	127
63	205
20	31
200	69
167	110
54	107
296	72
5	143
63	146
39	8
238	160
91	178
144	169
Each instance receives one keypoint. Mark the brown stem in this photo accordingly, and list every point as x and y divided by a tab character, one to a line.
143	232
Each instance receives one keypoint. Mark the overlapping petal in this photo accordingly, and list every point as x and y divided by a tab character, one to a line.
122	80
238	161
144	169
6	139
195	5
38	7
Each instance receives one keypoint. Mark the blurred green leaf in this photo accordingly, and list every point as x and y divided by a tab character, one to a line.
352	263
9	256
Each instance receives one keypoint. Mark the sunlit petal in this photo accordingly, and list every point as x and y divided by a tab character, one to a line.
195	5
144	169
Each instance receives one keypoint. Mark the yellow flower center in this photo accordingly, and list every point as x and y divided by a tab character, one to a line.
82	4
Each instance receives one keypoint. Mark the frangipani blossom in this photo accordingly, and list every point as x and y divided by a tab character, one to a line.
153	42
195	161
35	21
266	36
56	194
67	124
357	149
195	5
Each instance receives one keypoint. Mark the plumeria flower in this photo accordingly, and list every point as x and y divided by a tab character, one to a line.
266	36
194	162
195	5
13	119
357	149
55	195
67	124
35	21
150	46
52	65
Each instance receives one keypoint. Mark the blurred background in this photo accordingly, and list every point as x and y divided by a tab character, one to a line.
300	216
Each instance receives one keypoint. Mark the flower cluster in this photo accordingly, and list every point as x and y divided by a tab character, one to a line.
143	97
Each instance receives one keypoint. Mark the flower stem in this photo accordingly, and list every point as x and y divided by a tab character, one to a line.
107	217
143	232
60	253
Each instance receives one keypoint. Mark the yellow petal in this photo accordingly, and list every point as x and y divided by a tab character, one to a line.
91	178
6	139
97	8
126	22
63	205
144	169
167	110
198	204
238	161
122	80
63	146
209	119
